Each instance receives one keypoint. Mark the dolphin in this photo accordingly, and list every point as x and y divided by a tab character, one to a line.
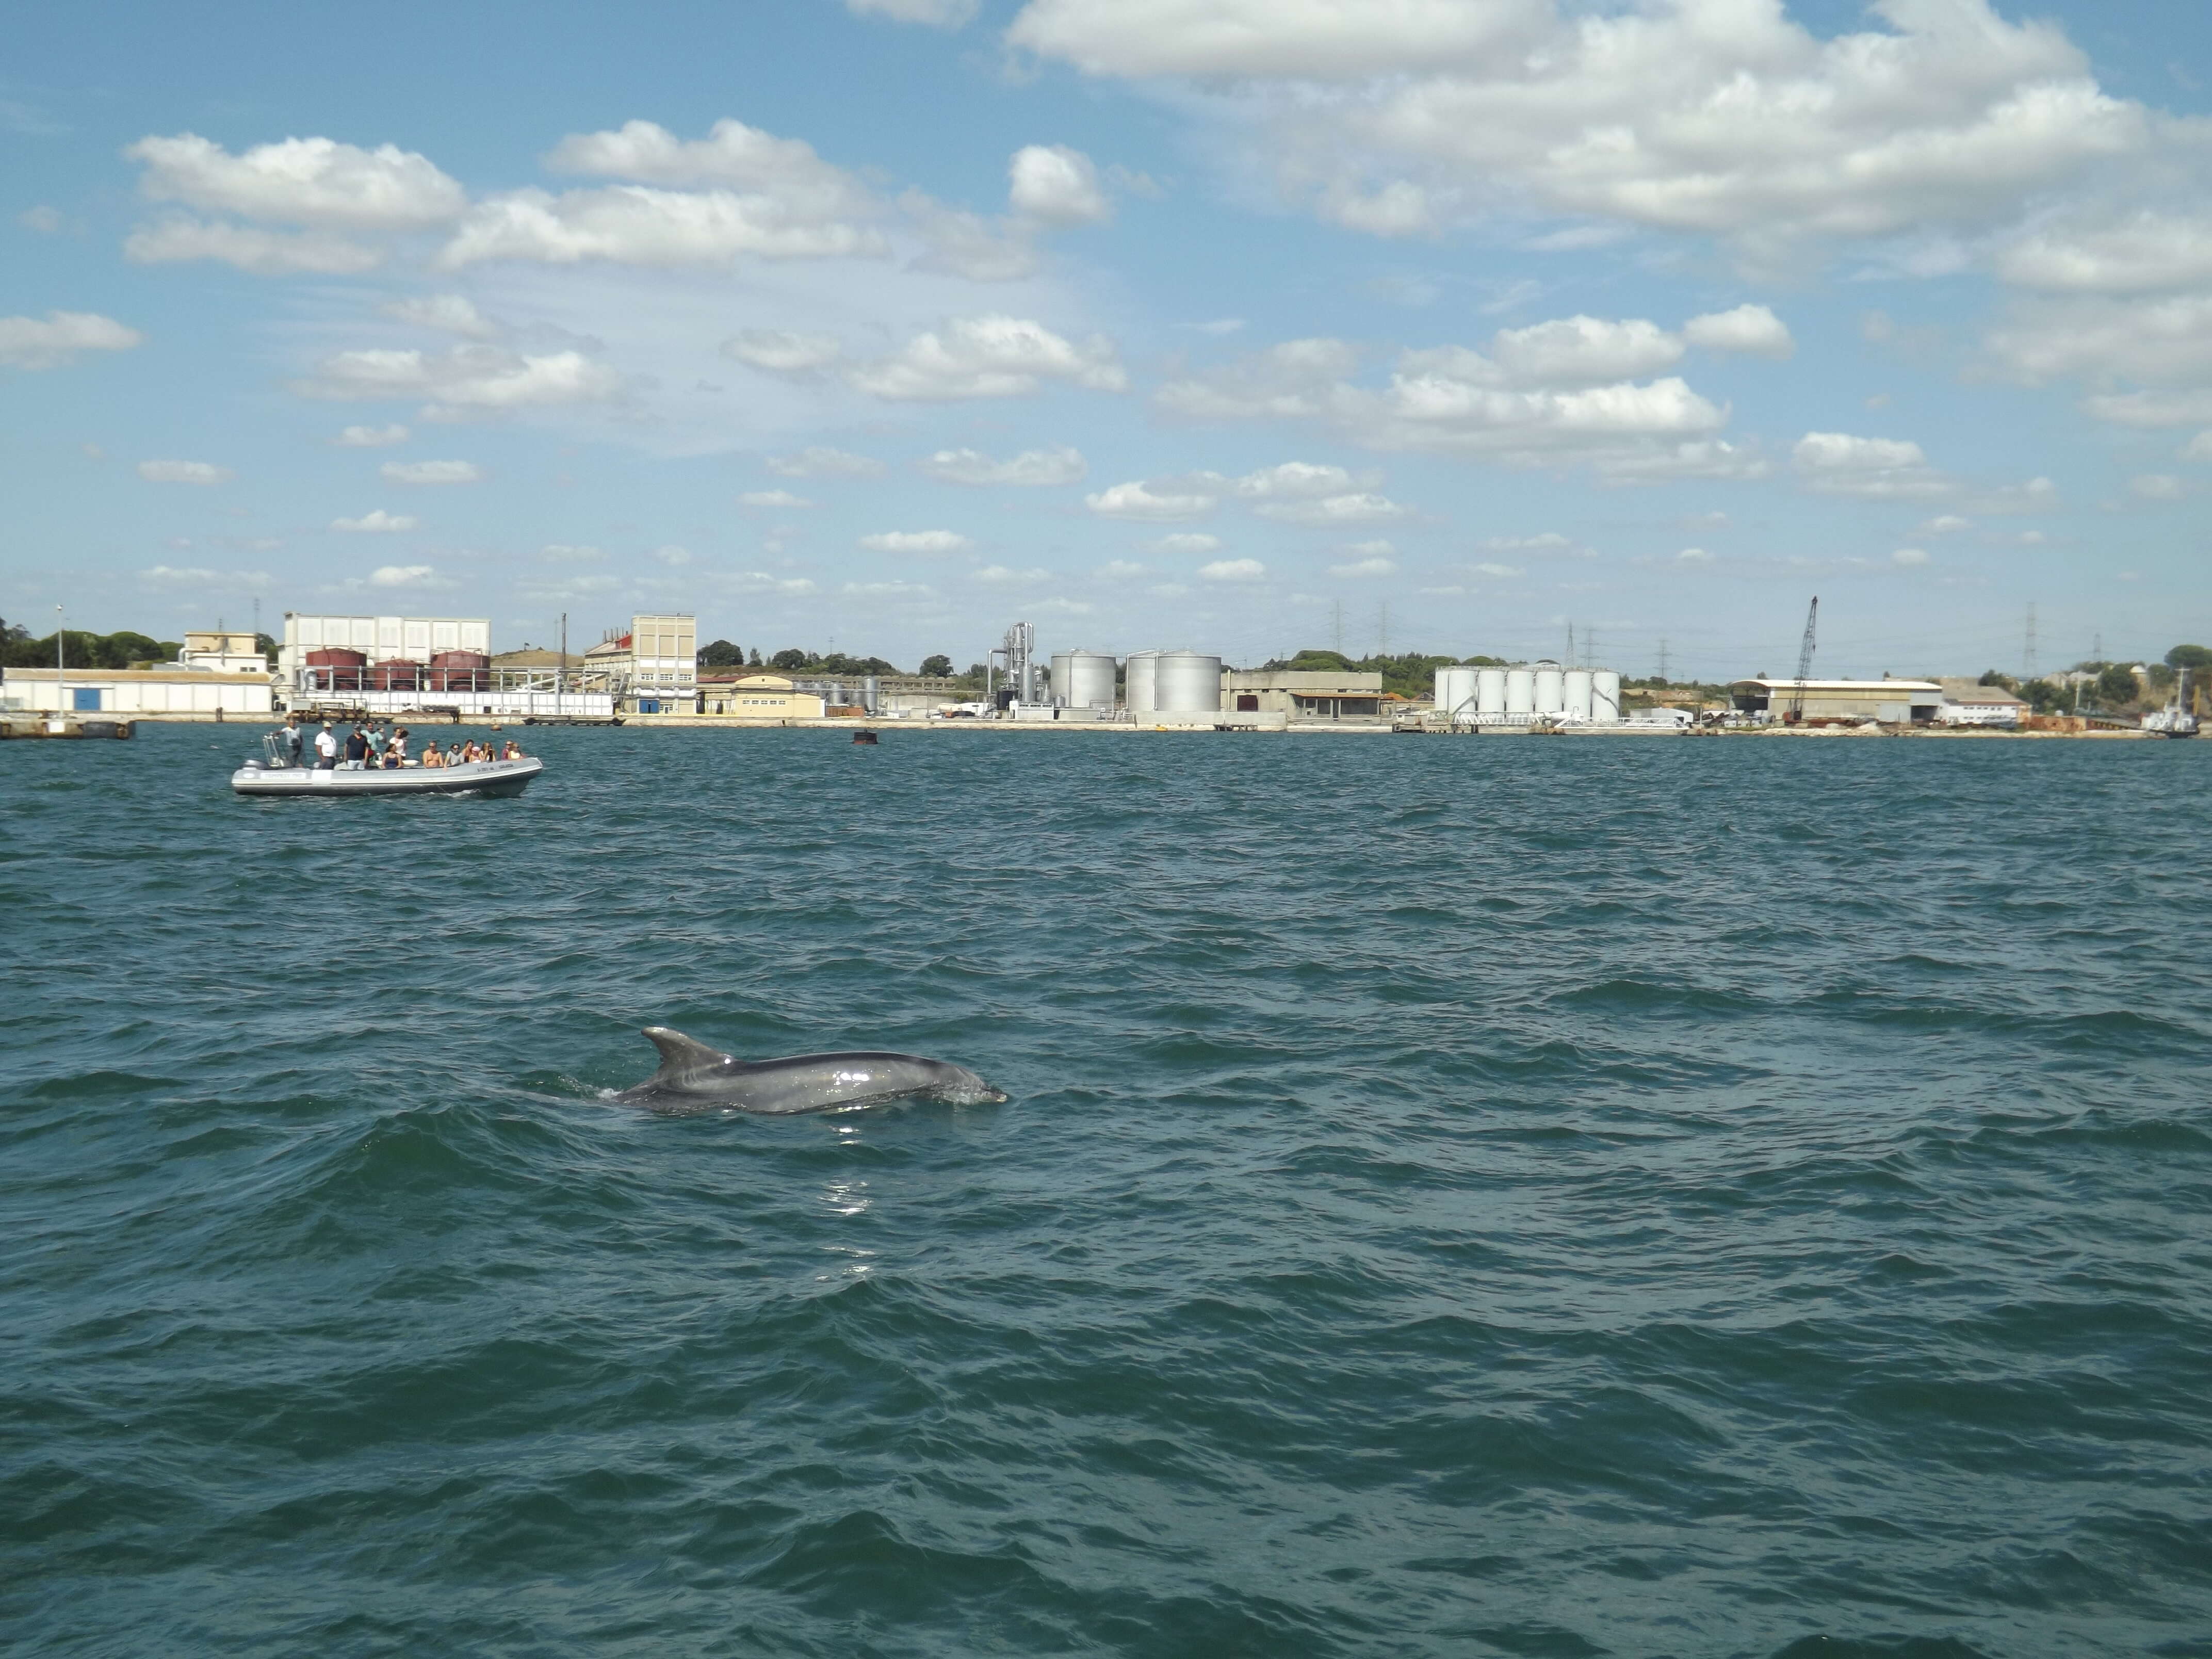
695	1080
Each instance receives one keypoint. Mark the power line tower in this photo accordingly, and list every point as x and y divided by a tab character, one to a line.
2027	652
1383	631
1568	661
1804	664
1336	626
1662	659
1590	648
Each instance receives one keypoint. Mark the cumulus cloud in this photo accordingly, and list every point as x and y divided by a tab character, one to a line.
2139	253
1301	480
1184	541
406	575
1233	570
176	239
432	472
2157	487
971	245
300	181
779	351
1057	185
1289	381
999	576
1549	541
1364	508
1693	555
1838	463
467	379
988	357
377	522
1728	119
371	437
638	225
1138	500
916	541
567	552
1496	571
185	472
1909	557
2198	448
1375	558
820	461
1751	329
760	581
449	314
54	339
777	498
197	577
45	221
1033	468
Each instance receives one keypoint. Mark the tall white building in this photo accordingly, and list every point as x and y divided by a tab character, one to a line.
654	668
381	639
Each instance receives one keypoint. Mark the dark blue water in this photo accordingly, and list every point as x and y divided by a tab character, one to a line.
1563	1198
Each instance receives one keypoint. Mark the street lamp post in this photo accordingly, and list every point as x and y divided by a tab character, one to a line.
61	671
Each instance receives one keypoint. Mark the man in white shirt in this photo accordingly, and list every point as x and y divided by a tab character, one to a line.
327	747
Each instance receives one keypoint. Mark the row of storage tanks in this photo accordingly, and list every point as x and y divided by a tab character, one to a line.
1538	688
335	669
1154	682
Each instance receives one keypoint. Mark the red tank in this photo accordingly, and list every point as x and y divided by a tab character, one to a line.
459	670
397	675
332	669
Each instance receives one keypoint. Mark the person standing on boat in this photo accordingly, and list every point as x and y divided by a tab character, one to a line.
291	739
326	748
356	747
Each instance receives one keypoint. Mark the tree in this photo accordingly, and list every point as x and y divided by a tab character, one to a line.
791	661
2116	685
2195	658
755	661
721	655
2001	681
265	644
2043	697
939	666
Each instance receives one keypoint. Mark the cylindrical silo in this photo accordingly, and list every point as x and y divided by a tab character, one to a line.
1520	691
1454	686
1490	691
1604	695
1551	689
1088	682
1578	693
1137	684
1186	682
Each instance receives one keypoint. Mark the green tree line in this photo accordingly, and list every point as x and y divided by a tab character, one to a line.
83	650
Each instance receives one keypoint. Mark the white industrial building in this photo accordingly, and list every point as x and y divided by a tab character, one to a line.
169	689
651	668
1892	702
378	639
1528	694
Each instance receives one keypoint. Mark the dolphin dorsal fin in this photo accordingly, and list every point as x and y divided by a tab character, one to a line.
683	1057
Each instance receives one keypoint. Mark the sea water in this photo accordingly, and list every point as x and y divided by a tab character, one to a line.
1595	1196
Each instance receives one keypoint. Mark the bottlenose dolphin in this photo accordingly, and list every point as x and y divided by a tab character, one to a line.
695	1079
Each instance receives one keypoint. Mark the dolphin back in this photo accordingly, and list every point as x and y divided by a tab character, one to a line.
696	1079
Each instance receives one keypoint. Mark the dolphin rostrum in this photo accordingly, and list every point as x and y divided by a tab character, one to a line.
695	1080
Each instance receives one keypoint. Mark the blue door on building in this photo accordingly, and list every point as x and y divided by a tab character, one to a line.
87	698
648	705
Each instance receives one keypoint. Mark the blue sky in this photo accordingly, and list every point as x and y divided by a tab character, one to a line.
1237	323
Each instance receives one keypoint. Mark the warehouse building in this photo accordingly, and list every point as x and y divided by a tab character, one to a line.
757	698
166	690
1303	694
1894	702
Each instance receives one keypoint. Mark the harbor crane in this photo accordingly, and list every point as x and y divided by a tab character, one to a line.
1796	711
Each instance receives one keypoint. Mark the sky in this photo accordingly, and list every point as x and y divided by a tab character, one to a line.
1244	325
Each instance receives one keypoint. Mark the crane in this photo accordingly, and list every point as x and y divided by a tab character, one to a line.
1796	711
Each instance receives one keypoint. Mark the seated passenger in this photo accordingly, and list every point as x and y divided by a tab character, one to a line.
453	756
512	752
431	758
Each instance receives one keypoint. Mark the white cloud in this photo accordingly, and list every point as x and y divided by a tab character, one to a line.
1702	459
449	314
1693	555
820	461
568	552
2151	409
1549	541
1055	184
477	379
1122	570
1751	329
1185	541
988	357
1057	607
1291	381
888	590
1233	570
2139	254
1365	507
49	342
1945	524
175	239
168	576
760	581
1302	479
971	245
779	351
998	575
371	437
377	522
44	220
1725	117
1568	352
1838	463
775	498
1031	468
731	154
1909	557
301	181
916	541
1136	500
432	472
406	575
1377	561
640	225
185	472
937	13
2157	487
672	555
1497	571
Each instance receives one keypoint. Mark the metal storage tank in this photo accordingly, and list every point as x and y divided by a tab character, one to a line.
1186	682
1083	679
1490	691
1520	691
398	674
1551	689
1578	693
1604	695
1137	681
459	670
1454	686
332	669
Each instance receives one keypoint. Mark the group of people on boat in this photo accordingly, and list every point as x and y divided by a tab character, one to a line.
371	746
